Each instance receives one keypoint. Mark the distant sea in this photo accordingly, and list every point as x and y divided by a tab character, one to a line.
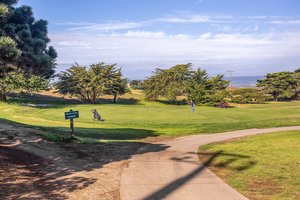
244	81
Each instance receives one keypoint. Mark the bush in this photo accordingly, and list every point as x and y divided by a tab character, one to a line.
249	95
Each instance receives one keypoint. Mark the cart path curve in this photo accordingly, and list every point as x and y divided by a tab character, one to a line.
176	173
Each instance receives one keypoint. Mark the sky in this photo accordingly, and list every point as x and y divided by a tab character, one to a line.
248	37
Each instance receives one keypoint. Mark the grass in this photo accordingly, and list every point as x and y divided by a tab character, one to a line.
260	167
140	119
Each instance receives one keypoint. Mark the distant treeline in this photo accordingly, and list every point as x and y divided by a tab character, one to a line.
199	87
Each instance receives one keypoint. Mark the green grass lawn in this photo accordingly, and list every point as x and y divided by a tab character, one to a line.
143	119
260	167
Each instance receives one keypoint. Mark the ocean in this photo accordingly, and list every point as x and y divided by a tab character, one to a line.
244	81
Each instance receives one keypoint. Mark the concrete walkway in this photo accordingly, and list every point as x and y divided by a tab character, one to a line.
176	173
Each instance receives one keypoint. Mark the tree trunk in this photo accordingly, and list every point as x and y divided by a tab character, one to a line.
3	97
115	98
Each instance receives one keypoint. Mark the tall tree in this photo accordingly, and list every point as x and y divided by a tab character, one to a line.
114	84
182	80
169	83
281	85
9	54
203	89
31	38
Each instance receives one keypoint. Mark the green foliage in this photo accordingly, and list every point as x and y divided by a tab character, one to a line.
281	85
111	77
31	38
33	84
168	83
249	95
3	10
9	2
136	84
90	83
205	90
9	53
18	82
182	80
25	60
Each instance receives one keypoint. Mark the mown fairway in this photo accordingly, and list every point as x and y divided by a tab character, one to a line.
261	167
144	119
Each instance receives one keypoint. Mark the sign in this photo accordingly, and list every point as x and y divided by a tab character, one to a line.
71	114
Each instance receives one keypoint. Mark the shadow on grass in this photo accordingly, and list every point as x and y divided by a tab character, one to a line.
59	168
90	133
48	101
169	102
234	162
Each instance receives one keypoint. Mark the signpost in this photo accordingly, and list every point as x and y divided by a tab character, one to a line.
72	115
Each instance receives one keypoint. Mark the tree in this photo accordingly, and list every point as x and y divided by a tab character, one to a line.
25	60
18	82
9	54
3	11
31	38
249	95
168	83
135	84
202	89
74	81
182	80
281	85
89	83
114	83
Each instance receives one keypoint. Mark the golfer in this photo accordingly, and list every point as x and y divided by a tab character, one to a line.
193	107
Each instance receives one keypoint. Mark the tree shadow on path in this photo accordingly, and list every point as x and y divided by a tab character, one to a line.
175	185
48	170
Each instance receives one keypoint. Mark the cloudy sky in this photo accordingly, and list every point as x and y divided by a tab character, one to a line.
249	37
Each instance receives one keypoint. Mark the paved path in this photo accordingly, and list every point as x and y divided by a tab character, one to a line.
172	170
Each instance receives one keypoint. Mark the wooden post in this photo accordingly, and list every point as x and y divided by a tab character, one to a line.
72	125
71	115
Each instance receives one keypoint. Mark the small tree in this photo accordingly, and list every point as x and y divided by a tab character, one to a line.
249	95
75	82
135	84
18	82
90	83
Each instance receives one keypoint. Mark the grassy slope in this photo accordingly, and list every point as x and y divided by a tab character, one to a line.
125	121
261	167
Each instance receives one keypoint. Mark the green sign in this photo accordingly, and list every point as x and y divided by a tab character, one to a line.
71	114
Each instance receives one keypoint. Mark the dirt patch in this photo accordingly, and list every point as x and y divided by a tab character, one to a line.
262	188
32	168
19	174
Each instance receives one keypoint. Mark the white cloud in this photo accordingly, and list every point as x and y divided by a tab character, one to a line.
286	22
110	26
73	43
145	34
141	51
188	19
206	36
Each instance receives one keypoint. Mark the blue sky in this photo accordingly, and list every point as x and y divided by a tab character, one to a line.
249	37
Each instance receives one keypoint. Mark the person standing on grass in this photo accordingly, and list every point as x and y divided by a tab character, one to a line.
193	107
